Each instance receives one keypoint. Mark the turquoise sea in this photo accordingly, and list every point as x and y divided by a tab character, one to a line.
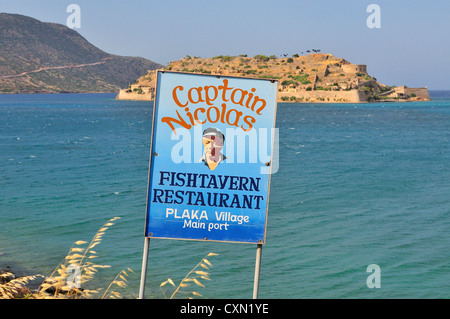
358	184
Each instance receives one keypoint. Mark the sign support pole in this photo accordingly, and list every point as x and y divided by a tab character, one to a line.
144	268
257	271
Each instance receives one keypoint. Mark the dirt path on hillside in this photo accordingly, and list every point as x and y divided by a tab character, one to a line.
55	68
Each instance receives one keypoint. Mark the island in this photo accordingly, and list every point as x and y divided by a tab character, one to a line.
311	78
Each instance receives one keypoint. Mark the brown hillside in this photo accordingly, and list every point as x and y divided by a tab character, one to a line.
41	57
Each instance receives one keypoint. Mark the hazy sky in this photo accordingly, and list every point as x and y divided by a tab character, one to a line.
411	46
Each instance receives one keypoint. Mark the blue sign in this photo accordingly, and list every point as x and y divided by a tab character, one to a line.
211	157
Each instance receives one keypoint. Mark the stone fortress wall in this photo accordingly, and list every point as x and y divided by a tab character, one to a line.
354	68
352	96
137	93
420	93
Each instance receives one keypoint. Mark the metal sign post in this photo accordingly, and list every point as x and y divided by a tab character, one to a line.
257	271
210	161
144	268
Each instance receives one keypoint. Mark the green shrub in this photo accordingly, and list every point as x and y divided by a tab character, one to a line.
268	76
302	78
261	57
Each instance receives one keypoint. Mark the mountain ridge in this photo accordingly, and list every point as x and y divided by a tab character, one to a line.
46	57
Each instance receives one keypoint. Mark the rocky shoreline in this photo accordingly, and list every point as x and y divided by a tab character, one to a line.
12	287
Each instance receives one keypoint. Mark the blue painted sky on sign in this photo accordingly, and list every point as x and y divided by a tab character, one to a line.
223	200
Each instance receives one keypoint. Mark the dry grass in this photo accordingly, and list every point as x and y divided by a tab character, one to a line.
193	276
66	281
119	281
78	268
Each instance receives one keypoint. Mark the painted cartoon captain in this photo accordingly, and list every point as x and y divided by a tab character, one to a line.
213	141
